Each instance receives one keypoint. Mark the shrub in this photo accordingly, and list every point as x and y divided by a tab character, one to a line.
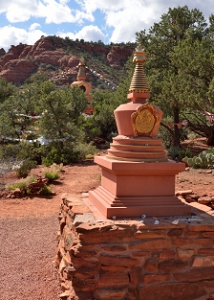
203	160
22	184
85	150
18	185
178	153
25	168
45	190
51	176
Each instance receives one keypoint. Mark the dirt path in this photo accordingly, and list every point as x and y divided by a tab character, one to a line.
27	249
28	229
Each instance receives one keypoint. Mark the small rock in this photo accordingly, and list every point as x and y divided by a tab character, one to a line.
175	222
184	192
189	199
204	200
84	195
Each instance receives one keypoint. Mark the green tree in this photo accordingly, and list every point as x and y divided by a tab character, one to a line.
59	124
195	62
6	90
105	103
179	24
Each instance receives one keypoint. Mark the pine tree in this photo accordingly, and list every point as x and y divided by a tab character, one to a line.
163	74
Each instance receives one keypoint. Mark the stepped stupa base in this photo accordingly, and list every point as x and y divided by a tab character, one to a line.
131	189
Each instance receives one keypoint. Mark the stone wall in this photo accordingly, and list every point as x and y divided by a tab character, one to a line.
164	259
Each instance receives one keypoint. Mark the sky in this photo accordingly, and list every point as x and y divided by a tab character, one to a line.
25	21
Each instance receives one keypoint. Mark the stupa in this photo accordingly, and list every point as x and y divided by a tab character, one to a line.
137	177
84	85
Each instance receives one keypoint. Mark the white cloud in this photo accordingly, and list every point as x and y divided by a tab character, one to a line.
10	35
119	21
127	17
88	33
54	11
19	10
34	26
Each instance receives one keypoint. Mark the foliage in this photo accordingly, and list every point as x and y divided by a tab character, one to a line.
203	160
172	72
52	172
102	123
85	150
23	183
6	90
51	176
177	153
18	185
25	168
45	190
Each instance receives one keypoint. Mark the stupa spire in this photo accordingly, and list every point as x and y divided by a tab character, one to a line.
139	87
81	73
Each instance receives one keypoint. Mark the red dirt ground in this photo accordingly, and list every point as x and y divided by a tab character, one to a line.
28	229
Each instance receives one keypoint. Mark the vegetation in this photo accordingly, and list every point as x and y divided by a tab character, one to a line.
42	120
51	176
203	160
180	70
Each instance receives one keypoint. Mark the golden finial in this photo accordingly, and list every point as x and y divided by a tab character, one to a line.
81	73
138	83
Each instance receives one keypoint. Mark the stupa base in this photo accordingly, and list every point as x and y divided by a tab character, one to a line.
131	189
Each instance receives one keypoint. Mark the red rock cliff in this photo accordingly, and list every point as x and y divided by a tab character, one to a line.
22	60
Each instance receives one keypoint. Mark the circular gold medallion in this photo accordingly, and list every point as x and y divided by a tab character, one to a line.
145	121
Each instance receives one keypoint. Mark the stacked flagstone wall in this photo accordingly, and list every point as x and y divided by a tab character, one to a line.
135	259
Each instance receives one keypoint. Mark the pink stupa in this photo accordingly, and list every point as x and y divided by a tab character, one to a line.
137	178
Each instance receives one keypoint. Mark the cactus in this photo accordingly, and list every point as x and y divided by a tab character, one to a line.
204	160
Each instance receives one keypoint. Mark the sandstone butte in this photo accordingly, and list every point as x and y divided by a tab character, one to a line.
22	60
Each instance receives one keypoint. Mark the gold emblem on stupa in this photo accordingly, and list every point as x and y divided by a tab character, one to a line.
144	120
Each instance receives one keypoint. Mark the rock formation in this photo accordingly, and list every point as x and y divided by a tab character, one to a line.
22	60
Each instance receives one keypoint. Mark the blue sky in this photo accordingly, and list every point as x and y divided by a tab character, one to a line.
25	21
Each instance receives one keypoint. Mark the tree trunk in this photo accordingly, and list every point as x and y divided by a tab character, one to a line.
176	128
210	139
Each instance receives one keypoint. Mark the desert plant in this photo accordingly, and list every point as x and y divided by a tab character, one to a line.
24	169
51	176
18	185
45	190
23	183
85	150
178	153
203	160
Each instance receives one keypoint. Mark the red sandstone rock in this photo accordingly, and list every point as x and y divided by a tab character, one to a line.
21	60
183	193
195	275
204	200
174	291
114	57
156	278
17	70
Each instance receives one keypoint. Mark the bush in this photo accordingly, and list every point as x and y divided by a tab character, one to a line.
51	176
85	150
22	184
25	168
177	153
45	190
203	160
18	185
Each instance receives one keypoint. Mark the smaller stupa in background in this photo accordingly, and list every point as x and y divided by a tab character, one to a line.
137	177
84	85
